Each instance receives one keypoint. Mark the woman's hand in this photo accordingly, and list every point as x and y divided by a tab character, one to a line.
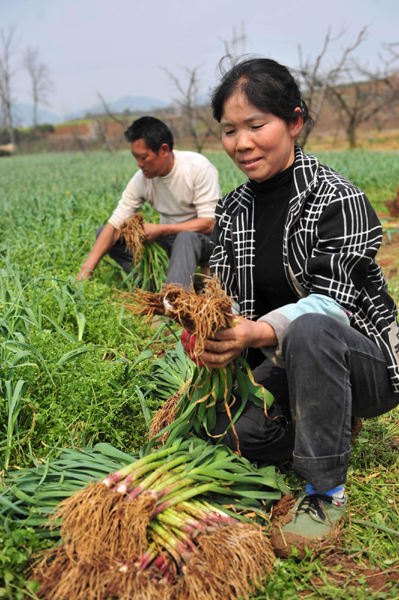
229	343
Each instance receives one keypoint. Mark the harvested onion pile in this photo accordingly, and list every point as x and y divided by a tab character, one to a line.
148	530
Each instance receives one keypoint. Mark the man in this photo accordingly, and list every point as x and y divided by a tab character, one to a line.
182	186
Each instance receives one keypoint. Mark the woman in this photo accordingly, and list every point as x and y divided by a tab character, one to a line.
295	247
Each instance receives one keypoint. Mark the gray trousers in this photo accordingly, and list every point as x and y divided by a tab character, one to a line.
332	372
186	251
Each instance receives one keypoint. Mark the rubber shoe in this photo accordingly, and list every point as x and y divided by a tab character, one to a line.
310	523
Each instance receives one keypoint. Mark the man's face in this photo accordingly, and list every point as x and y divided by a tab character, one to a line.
151	163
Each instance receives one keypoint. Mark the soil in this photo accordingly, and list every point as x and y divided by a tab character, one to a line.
388	254
388	257
356	428
344	570
281	509
77	129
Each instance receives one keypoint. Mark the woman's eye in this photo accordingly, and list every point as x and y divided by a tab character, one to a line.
257	126
229	132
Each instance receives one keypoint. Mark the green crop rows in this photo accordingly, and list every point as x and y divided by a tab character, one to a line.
72	360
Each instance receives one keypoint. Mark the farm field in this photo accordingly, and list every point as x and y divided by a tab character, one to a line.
79	354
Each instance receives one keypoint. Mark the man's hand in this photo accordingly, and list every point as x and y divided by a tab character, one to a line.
104	242
84	273
229	343
152	231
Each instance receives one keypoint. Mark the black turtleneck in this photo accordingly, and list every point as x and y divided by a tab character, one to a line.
272	289
272	196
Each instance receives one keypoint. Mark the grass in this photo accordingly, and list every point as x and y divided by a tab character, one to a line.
68	350
376	173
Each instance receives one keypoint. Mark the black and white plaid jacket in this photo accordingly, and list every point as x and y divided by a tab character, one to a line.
332	236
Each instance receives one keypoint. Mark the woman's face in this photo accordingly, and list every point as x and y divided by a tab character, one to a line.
259	143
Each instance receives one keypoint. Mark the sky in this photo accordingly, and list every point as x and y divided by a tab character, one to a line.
117	47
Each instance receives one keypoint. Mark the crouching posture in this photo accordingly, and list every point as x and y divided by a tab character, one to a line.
182	186
295	247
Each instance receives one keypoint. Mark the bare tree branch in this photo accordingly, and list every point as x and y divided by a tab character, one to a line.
198	121
80	140
109	112
368	93
231	46
6	76
392	48
40	78
101	129
316	82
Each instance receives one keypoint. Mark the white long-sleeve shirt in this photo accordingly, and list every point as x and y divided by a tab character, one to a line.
191	190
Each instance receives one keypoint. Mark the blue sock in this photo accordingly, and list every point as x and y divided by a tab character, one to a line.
311	490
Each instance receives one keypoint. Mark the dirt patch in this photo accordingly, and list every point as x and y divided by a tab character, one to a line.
343	569
388	254
77	129
388	257
282	508
356	428
394	444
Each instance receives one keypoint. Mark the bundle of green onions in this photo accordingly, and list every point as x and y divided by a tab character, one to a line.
166	382
209	391
28	496
150	261
167	374
149	530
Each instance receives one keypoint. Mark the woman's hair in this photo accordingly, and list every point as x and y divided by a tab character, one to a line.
267	85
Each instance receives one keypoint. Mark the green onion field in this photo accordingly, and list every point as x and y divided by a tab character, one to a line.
73	361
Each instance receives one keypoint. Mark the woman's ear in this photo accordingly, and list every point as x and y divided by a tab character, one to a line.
297	125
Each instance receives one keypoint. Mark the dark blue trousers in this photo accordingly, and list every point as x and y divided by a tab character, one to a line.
332	372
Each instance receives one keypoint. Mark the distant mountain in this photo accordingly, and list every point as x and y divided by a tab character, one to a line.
23	115
128	103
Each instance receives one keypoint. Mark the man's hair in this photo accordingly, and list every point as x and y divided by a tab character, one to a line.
153	131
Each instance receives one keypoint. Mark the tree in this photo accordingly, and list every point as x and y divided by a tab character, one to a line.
122	122
356	92
198	120
368	93
6	76
40	79
231	46
102	125
316	81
